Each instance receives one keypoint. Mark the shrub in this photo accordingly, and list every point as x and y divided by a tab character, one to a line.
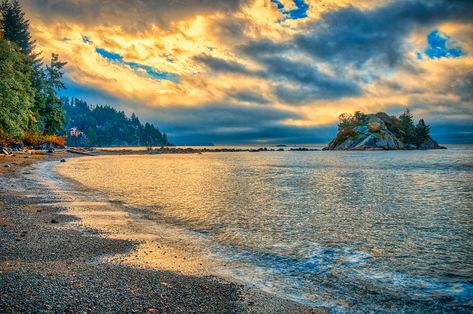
33	139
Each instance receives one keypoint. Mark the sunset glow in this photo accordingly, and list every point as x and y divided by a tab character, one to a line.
293	66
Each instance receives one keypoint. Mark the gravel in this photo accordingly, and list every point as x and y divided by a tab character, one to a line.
46	267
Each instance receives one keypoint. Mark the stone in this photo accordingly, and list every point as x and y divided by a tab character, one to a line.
373	134
63	160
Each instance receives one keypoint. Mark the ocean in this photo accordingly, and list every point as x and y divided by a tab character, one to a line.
383	231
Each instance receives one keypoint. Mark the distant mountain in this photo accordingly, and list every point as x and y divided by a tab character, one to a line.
381	132
101	126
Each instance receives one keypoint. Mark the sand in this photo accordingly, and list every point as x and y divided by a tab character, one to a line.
48	266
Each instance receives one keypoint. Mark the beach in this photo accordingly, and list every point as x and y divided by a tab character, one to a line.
49	264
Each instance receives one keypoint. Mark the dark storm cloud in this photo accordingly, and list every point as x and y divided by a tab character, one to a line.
353	36
262	135
262	47
129	13
221	65
312	83
227	115
249	96
230	123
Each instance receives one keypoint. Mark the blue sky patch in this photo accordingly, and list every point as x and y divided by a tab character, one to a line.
109	55
117	58
442	46
153	73
298	13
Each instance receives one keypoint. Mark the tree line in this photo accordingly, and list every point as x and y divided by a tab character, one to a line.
30	108
403	127
105	126
33	113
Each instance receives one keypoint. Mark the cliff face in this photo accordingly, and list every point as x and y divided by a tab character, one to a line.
372	134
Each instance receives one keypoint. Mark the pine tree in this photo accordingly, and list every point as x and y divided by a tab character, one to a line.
406	127
422	132
53	112
16	93
15	27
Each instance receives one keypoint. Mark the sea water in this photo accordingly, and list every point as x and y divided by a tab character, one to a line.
385	231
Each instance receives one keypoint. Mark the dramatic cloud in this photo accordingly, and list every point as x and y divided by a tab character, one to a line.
265	70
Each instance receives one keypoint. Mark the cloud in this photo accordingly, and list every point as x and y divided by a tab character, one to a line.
249	96
221	65
256	70
312	84
132	15
354	37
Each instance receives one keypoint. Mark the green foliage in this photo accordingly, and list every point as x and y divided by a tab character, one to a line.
52	112
407	128
403	127
422	132
391	122
16	92
350	121
14	26
105	126
28	97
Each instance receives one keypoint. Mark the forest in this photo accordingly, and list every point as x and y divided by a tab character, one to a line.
31	109
100	126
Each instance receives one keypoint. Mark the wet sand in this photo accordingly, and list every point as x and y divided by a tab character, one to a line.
51	261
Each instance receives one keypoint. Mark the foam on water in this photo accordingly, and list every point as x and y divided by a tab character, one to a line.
354	231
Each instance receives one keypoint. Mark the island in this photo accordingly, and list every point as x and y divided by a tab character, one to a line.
381	131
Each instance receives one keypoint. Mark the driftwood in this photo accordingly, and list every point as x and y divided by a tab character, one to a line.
79	152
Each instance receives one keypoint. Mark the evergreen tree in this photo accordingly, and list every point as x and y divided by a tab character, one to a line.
422	132
16	93
15	27
53	113
406	127
105	126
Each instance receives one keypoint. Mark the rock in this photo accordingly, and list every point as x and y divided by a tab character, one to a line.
430	144
373	134
63	160
7	166
54	221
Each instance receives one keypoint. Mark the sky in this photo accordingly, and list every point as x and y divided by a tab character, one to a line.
265	71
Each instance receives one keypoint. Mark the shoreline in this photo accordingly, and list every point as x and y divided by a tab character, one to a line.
47	266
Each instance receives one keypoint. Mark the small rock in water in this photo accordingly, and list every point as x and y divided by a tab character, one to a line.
54	221
7	166
63	160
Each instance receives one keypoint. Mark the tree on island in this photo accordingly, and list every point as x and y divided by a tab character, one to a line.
382	131
407	129
422	132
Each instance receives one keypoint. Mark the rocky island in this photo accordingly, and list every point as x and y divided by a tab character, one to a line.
381	131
